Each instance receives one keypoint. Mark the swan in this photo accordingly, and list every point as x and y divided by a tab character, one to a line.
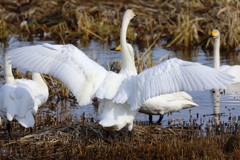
122	94
163	104
20	98
232	70
166	103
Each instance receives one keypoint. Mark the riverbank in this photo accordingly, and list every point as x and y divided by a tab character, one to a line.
87	140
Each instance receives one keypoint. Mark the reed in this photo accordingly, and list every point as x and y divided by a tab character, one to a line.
4	32
184	23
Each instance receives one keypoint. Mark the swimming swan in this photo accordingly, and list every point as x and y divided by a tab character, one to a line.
163	104
232	70
20	98
122	94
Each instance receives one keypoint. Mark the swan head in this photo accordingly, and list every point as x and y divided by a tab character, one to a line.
129	14
214	34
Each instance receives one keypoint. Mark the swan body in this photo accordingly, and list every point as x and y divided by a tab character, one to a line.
166	103
121	95
20	98
115	116
232	70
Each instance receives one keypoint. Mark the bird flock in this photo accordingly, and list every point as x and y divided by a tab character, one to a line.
155	91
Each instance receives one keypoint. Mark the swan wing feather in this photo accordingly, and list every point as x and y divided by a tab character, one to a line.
65	62
178	74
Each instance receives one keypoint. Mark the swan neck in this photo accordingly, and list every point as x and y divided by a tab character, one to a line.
123	34
216	53
38	78
128	64
8	71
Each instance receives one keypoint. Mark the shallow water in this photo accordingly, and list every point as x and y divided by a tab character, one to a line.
229	102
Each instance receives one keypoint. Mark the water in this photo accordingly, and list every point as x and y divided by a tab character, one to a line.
229	102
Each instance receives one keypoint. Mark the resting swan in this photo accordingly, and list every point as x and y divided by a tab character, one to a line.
166	103
163	104
122	94
232	70
20	98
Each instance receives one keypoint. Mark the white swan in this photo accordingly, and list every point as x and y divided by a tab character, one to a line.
121	94
167	103
232	70
163	104
20	98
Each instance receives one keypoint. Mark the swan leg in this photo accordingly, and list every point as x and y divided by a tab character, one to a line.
130	127
109	134
150	119
160	118
9	128
129	133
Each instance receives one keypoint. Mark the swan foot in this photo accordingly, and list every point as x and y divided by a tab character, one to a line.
160	119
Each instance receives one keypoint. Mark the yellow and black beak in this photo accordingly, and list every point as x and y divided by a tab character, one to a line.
134	14
213	34
118	48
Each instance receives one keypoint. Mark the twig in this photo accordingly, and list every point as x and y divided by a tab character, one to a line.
85	29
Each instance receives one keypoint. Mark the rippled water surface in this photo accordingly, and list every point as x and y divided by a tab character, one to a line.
229	102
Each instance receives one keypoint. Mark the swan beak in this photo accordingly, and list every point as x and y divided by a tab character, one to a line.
134	14
118	48
213	34
210	36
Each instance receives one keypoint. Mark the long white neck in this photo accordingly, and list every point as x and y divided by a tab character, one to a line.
128	64
8	71
38	78
216	53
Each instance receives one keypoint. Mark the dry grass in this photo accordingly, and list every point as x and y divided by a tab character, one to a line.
81	139
184	23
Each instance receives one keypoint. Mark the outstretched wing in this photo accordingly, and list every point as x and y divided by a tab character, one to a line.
65	62
170	76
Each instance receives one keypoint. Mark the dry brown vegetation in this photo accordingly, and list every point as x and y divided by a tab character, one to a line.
87	140
182	23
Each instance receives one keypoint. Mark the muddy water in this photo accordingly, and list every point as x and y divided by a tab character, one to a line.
228	106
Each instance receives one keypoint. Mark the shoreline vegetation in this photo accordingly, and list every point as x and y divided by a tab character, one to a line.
86	139
181	23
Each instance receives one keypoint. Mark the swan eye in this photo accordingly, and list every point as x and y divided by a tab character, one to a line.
214	33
